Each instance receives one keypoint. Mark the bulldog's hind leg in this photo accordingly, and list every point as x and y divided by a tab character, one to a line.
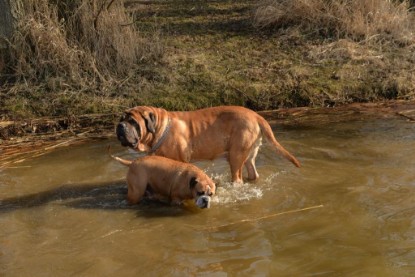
236	170
250	164
134	196
136	190
237	159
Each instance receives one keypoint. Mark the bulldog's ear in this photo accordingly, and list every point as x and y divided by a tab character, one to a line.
192	183
150	120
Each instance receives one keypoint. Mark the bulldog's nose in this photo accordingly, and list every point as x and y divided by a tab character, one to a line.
206	201
121	129
121	126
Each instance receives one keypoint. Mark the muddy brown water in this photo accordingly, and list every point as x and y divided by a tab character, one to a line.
65	213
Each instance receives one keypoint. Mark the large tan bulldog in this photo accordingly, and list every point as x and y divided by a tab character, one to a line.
161	178
200	135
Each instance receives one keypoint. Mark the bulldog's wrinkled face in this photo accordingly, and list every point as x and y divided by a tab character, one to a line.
202	190
128	131
133	126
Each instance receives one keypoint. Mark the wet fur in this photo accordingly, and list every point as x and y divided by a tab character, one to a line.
164	179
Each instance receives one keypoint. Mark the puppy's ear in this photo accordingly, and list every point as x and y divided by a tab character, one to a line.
150	120
192	183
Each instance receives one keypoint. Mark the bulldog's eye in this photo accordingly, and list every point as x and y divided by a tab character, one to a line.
210	194
132	121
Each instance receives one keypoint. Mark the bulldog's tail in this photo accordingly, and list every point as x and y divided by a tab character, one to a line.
120	160
269	135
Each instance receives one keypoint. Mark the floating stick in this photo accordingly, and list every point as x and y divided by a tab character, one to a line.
265	217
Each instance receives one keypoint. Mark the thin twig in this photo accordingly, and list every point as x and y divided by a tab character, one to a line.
410	118
98	14
59	144
110	4
264	217
17	167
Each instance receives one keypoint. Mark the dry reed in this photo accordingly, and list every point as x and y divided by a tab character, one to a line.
360	20
77	45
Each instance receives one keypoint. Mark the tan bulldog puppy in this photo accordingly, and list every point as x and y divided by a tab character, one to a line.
164	179
200	135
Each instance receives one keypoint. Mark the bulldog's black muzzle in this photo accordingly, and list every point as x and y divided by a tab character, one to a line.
125	135
203	202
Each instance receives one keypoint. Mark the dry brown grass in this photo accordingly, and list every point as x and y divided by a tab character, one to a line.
360	20
83	57
77	45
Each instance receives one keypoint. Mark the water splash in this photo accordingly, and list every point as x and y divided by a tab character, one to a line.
229	192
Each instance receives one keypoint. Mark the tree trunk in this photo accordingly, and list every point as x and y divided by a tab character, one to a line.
9	9
6	29
6	23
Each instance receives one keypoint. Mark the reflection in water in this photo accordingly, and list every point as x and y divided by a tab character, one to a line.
66	212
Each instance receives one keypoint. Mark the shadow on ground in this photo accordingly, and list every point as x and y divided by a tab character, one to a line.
105	196
190	18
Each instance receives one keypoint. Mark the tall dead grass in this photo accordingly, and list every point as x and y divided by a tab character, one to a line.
77	45
360	20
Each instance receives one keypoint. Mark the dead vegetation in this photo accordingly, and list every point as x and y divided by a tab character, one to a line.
77	44
354	50
360	20
80	58
72	53
27	139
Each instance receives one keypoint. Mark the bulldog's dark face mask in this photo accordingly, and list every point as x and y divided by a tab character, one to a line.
128	131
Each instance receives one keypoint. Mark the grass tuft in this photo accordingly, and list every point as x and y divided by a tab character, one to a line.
359	20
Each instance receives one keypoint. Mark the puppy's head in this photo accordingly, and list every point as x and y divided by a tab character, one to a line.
135	124
202	188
